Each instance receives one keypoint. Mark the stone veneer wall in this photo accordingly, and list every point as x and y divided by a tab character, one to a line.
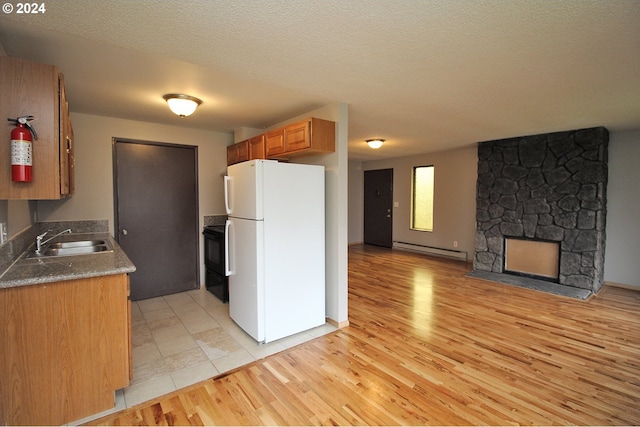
549	187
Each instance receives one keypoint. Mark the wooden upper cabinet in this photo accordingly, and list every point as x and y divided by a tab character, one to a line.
232	154
308	137
304	138
30	88
238	152
274	143
297	136
256	147
249	149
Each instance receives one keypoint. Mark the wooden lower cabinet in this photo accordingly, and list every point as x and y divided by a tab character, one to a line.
66	349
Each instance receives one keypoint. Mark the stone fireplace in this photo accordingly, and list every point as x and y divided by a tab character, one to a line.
547	188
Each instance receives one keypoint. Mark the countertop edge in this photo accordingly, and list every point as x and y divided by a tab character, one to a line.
18	283
28	272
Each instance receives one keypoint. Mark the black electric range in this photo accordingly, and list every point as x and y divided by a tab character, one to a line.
214	261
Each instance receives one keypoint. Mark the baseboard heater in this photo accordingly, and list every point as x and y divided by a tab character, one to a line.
431	250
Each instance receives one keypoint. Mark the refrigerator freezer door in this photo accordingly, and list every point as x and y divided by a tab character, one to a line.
243	190
246	283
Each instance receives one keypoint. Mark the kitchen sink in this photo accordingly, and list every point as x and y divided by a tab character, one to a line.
77	247
76	244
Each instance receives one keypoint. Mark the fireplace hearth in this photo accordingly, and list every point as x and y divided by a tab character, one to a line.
547	188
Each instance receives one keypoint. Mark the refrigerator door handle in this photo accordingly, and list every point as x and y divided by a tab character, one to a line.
227	259
227	184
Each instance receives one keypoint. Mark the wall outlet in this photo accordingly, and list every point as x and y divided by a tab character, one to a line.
455	243
3	232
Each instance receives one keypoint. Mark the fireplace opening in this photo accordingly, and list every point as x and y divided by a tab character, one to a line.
538	259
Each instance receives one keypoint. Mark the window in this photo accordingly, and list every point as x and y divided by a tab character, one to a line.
422	198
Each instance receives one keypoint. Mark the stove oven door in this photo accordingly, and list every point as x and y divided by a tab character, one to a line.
214	260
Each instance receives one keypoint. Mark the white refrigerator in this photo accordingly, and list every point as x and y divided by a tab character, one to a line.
275	246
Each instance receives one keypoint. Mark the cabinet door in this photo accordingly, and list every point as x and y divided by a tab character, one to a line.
297	136
304	138
243	151
29	88
232	154
238	152
65	349
274	142
256	147
66	143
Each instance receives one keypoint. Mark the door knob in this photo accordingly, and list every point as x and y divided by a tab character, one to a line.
124	232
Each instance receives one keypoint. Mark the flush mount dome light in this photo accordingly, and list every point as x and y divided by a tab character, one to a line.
375	143
182	105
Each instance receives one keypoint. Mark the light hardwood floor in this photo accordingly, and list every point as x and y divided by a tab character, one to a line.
428	346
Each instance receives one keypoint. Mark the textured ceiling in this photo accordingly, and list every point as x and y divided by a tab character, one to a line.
425	75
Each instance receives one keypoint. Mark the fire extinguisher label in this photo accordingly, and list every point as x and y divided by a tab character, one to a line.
21	153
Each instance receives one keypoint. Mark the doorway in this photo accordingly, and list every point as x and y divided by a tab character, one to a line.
156	215
378	207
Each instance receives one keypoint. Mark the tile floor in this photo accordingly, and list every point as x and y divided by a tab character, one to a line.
184	338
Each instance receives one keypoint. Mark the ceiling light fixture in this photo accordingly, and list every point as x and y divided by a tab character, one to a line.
375	143
182	105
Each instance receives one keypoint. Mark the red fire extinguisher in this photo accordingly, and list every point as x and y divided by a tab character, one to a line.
22	149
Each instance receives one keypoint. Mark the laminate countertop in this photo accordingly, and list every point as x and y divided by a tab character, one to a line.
39	270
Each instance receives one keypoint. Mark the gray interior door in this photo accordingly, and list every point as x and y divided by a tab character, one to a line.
378	207
156	215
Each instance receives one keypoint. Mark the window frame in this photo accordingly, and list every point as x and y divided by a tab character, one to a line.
412	213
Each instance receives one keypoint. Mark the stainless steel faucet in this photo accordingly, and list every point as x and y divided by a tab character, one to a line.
39	241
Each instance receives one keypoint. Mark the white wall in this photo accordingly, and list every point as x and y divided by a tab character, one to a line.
454	197
17	214
356	202
93	197
622	250
20	216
